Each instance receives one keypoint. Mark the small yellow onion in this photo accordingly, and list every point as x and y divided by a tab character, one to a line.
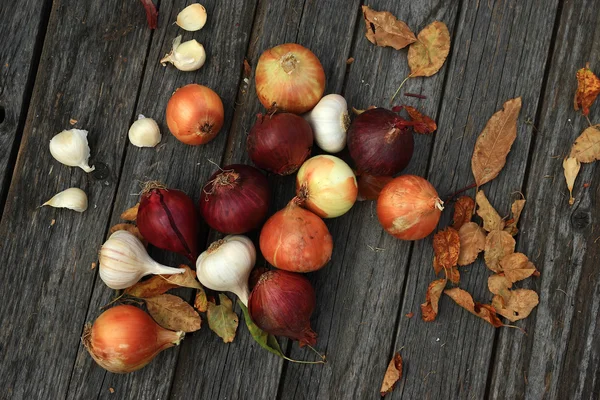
327	186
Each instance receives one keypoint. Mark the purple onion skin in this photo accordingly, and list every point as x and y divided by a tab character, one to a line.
236	199
377	145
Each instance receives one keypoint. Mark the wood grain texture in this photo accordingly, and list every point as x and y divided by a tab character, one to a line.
499	53
560	357
84	75
22	32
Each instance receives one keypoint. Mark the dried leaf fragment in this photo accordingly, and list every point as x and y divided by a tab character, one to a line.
498	284
472	242
427	55
463	211
516	208
446	246
453	275
160	284
383	29
265	340
571	166
131	213
247	69
494	142
429	309
437	268
171	312
516	267
519	304
200	301
423	124
587	146
483	311
498	244
222	320
370	186
392	375
492	221
588	88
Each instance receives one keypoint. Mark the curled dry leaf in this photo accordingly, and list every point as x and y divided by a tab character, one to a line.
516	267
200	301
498	284
429	309
131	213
424	124
483	311
492	221
588	88
519	304
160	284
171	312
392	375
472	241
427	55
463	211
265	340
586	148
571	166
383	29
498	244
129	228
222	320
446	246
370	186
453	275
494	142
151	13
437	268
516	208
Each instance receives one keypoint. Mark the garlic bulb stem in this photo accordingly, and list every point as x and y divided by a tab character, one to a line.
186	56
73	198
329	120
71	148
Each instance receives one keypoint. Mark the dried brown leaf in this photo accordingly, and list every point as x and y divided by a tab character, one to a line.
494	142
498	244
370	186
247	69
384	29
200	301
516	267
427	55
222	320
423	124
129	228
131	213
453	275
472	242
429	309
463	211
392	375
160	284
492	221
571	166
437	268
588	88
516	208
171	312
498	284
586	148
483	311
446	246
519	304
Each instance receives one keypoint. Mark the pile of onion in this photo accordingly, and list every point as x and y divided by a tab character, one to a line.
380	142
280	143
295	239
195	114
291	77
235	199
409	208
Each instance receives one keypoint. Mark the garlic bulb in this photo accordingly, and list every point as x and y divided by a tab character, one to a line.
72	198
192	18
144	132
124	261
187	56
226	265
329	121
71	148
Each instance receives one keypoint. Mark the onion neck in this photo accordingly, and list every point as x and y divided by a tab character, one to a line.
169	338
288	63
149	186
438	203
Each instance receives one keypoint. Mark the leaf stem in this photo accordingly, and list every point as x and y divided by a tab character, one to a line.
453	195
399	87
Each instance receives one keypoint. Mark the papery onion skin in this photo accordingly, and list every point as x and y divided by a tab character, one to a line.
236	199
167	219
409	208
195	114
296	240
280	143
281	304
327	186
291	77
379	143
124	339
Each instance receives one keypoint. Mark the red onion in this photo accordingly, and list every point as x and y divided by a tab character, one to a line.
235	199
280	143
380	142
281	304
167	219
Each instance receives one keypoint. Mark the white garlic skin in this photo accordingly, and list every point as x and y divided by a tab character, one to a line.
144	132
329	121
192	18
186	56
124	261
73	198
226	266
71	148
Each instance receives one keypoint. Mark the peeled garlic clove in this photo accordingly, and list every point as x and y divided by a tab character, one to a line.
72	198
71	148
329	121
187	56
144	132
192	18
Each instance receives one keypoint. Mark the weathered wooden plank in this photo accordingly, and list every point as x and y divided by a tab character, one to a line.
225	38
22	30
560	357
499	53
46	253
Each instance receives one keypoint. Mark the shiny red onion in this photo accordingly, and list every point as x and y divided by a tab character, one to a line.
280	143
236	199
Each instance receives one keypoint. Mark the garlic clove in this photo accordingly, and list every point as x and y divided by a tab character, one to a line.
144	132
192	18
70	147
329	120
73	198
187	56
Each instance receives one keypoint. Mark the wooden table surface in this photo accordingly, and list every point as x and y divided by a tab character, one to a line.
97	62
